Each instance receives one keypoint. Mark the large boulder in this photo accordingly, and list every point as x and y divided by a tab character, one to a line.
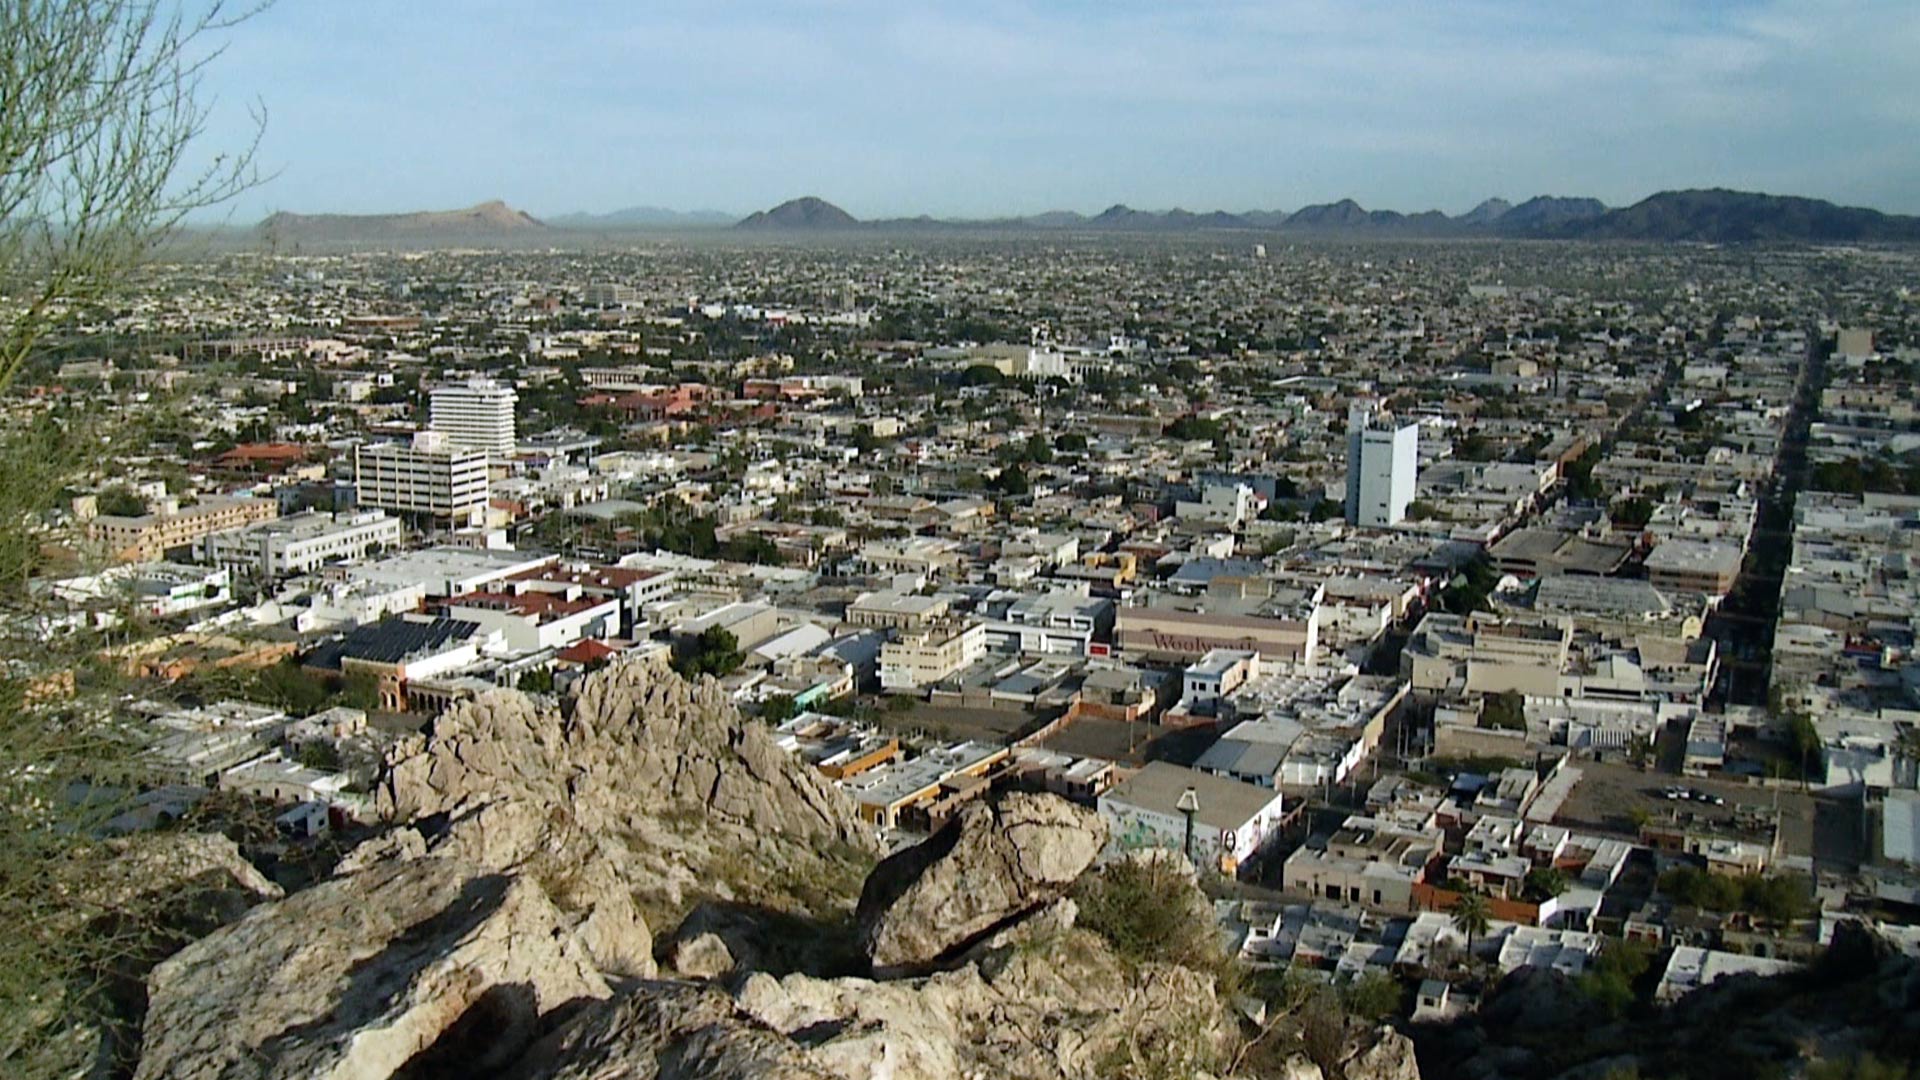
666	1031
640	740
429	963
1387	1055
991	865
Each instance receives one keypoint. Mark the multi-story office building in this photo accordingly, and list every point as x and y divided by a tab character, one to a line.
476	415
607	294
299	543
1382	463
149	536
427	478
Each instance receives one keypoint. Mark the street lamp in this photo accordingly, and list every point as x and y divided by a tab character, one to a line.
1189	805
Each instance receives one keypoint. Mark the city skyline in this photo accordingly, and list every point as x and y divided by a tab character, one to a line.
1000	110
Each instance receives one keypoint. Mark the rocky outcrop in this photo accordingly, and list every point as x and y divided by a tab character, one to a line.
495	928
639	740
165	864
1058	1004
670	1032
994	863
429	961
1388	1055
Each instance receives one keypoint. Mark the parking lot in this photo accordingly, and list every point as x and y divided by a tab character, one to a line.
1608	795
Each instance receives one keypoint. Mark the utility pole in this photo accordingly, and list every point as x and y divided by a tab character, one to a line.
1189	805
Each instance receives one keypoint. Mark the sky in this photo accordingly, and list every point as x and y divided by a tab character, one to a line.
974	108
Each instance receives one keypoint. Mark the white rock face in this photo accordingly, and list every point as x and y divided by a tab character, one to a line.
670	1032
993	864
362	974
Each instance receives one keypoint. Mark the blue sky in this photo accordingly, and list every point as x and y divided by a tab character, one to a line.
975	107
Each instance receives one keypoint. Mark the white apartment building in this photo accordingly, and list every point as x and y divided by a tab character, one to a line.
1383	462
427	477
1228	505
299	543
476	415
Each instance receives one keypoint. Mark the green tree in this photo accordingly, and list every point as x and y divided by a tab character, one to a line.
1610	981
1545	883
1372	996
714	652
1472	916
120	501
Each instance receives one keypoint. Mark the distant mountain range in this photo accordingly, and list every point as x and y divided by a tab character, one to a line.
1704	216
644	217
1710	216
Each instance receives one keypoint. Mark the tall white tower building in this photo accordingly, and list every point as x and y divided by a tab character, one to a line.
475	415
1383	461
426	478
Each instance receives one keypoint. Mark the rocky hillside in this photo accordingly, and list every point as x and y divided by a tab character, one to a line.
504	924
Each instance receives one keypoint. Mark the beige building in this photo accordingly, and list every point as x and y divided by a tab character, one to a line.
1169	633
931	654
1487	654
1366	861
149	537
905	612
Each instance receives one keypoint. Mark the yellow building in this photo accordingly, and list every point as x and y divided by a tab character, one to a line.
149	537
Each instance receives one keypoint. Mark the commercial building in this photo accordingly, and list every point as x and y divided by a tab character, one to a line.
429	478
933	653
1383	463
1367	861
889	610
1169	632
1231	823
445	571
150	536
299	543
1694	566
475	415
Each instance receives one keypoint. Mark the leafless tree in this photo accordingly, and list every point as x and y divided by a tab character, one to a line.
101	113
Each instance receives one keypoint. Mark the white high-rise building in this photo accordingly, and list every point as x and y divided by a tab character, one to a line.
427	477
476	415
1383	461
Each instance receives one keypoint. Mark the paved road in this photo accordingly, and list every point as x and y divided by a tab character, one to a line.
1744	622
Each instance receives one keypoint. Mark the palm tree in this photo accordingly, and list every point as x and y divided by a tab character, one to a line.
1472	917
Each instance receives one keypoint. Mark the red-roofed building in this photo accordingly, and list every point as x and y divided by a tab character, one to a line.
256	459
633	588
587	653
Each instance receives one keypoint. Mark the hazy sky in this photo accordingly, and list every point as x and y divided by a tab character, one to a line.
974	107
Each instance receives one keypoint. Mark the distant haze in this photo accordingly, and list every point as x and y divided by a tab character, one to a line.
992	109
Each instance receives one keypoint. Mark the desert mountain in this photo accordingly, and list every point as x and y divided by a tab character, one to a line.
806	212
488	219
1738	217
